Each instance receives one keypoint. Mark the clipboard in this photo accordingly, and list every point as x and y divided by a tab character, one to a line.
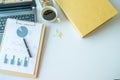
12	59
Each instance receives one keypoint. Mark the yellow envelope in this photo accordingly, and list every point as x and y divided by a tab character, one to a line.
87	15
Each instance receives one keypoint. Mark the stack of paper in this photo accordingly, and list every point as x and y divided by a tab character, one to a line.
21	48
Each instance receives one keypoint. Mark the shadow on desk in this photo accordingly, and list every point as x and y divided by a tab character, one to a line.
47	32
104	27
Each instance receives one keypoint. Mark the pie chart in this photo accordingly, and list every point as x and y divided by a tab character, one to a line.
22	31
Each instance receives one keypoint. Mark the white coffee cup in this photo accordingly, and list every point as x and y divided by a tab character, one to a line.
49	14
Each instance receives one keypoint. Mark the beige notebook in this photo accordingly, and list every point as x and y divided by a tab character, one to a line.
87	15
21	48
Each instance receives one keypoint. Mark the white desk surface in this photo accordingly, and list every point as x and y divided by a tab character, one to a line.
96	57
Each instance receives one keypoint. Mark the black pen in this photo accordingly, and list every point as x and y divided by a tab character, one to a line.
27	47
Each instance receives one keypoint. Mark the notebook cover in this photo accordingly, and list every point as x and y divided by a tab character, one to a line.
87	15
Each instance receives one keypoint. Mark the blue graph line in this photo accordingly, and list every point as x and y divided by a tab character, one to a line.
26	60
18	62
13	60
5	59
